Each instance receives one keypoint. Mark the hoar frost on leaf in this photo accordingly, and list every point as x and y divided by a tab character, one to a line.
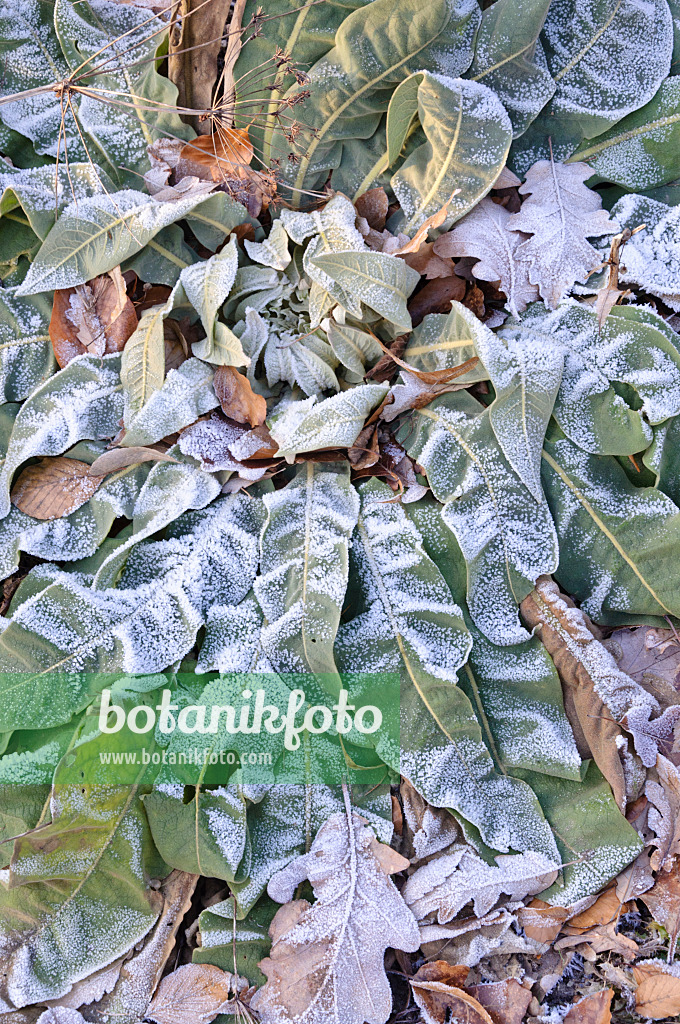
651	256
342	937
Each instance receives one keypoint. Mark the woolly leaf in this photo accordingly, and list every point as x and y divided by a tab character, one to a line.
186	394
307	426
652	256
26	356
382	282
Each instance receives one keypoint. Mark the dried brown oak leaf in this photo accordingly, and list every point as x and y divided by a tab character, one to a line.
54	487
663	902
485	234
196	994
658	989
436	297
560	214
440	999
96	318
664	814
326	962
597	693
592	1009
506	1001
237	398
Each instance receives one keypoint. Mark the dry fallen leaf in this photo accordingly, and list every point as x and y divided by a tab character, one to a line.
542	922
237	398
196	994
326	961
436	297
224	159
54	487
597	926
420	237
506	1001
373	206
592	1009
596	692
428	264
96	318
652	658
663	902
664	815
658	992
441	1000
609	295
119	458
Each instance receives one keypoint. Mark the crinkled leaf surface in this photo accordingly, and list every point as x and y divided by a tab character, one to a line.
652	256
26	356
507	539
381	282
468	135
335	422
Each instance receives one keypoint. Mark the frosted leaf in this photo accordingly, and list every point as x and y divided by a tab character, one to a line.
412	626
42	192
442	887
354	348
526	374
443	341
510	60
381	282
634	346
341	939
333	423
206	285
652	256
305	566
84	400
186	394
664	815
614	537
430	829
332	229
560	214
253	333
507	540
77	535
94	235
205	836
233	638
300	358
75	916
283	821
273	252
169	490
142	626
26	355
485	235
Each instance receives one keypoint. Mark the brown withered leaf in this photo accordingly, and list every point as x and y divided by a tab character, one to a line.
436	297
176	348
196	994
542	922
506	179
224	159
658	993
610	294
440	999
474	300
365	451
664	814
598	927
373	206
237	398
54	487
414	393
663	902
432	222
506	1001
96	318
195	43
652	658
589	675
386	366
428	264
592	1009
119	458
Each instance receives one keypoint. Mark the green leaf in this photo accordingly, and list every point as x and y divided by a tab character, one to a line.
206	836
607	58
445	340
594	839
662	458
641	151
454	115
401	113
26	355
526	375
509	58
142	368
61	639
382	282
614	537
75	877
43	192
163	259
97	234
304	568
376	47
634	347
307	426
85	399
186	394
411	625
273	252
508	541
207	285
515	691
238	950
354	348
214	219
